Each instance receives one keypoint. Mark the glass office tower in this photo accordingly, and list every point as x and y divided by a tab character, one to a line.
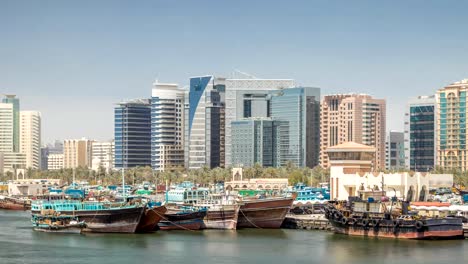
132	133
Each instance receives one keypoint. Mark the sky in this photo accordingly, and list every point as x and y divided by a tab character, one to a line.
74	60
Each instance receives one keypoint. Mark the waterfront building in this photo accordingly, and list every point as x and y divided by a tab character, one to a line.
77	153
245	98
255	140
132	131
30	187
451	129
420	133
353	117
298	109
30	138
55	162
203	123
395	151
14	102
167	126
258	184
102	155
351	174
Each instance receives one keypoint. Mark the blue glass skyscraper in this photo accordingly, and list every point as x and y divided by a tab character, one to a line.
298	109
132	133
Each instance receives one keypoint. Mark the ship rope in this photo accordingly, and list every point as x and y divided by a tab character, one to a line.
249	219
162	217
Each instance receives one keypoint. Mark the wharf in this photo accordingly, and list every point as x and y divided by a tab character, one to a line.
307	221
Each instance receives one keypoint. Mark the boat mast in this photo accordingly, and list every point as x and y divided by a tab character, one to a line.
123	182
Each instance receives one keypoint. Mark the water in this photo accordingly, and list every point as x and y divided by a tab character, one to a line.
20	244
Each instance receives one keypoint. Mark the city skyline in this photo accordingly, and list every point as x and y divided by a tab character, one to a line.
74	76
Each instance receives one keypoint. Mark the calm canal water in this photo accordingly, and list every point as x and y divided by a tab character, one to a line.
20	244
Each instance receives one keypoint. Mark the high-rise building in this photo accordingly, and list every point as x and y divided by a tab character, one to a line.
77	153
353	118
11	99
132	131
6	127
298	109
451	129
55	162
167	126
102	155
30	138
203	125
395	151
247	98
420	136
255	140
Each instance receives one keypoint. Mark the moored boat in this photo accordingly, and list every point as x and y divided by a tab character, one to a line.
58	224
100	217
263	213
182	220
150	219
221	217
10	203
379	219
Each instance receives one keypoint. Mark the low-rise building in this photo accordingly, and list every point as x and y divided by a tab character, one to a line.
55	162
352	174
27	187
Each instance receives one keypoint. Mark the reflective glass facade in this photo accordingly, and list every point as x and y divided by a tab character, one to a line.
299	111
255	141
132	131
203	134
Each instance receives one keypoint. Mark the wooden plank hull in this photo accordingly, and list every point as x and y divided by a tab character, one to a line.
182	221
264	213
224	217
150	219
124	220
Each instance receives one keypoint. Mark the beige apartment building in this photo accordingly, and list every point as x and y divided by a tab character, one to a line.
30	137
77	153
451	126
353	118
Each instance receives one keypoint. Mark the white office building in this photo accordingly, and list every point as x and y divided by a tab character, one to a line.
30	138
103	155
55	162
167	126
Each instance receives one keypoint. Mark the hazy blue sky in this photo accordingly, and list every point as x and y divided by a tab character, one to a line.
72	60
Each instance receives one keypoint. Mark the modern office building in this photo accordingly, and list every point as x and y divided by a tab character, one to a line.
298	109
77	153
102	155
451	129
420	136
55	162
203	123
30	138
6	127
132	131
247	98
395	151
11	99
255	140
56	148
355	118
167	126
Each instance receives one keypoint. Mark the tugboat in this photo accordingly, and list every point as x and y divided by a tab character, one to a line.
390	219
